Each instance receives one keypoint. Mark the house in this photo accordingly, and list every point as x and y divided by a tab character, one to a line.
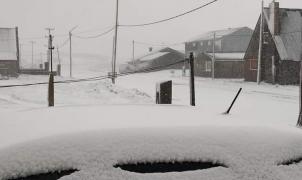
9	52
164	58
227	53
281	47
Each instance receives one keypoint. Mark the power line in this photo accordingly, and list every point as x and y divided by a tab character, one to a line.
171	18
96	36
98	78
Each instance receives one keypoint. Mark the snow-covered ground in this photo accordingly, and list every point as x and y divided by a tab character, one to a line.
96	125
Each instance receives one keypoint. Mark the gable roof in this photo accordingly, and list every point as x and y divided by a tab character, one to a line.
288	42
219	34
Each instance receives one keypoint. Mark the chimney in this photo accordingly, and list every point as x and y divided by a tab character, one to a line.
274	17
150	49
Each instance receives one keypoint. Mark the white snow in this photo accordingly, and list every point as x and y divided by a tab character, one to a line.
96	125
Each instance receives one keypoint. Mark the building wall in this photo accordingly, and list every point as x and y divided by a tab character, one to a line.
9	67
251	56
229	69
223	68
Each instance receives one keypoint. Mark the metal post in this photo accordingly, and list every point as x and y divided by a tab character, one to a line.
230	108
192	81
115	43
260	45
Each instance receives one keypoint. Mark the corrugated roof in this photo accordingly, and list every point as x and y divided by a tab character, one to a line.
219	34
288	43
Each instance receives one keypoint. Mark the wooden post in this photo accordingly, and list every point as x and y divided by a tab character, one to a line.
51	101
192	81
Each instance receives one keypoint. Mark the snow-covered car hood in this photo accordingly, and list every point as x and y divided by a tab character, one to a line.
247	153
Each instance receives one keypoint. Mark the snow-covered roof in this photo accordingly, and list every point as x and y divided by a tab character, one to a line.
227	56
8	56
219	34
288	43
153	56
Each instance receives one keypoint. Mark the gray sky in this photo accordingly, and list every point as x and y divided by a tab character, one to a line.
94	16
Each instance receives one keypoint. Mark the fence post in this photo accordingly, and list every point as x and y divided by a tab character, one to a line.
230	108
192	81
51	95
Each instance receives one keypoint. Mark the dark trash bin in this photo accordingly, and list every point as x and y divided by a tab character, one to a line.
164	92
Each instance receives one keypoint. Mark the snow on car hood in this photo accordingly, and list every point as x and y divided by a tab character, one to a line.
248	153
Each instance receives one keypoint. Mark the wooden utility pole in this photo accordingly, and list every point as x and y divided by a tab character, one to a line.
32	53
70	50
48	51
51	76
214	56
192	80
115	43
260	45
133	46
299	123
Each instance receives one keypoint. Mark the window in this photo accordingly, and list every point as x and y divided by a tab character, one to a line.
201	43
253	64
194	44
208	66
209	43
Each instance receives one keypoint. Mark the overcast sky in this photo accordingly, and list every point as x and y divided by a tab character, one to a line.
95	16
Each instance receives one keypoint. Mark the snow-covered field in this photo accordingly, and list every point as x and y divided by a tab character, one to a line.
96	125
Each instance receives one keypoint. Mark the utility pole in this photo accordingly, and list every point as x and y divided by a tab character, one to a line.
133	46
48	50
260	45
70	51
58	52
32	53
299	123
115	43
192	80
51	76
20	55
214	56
